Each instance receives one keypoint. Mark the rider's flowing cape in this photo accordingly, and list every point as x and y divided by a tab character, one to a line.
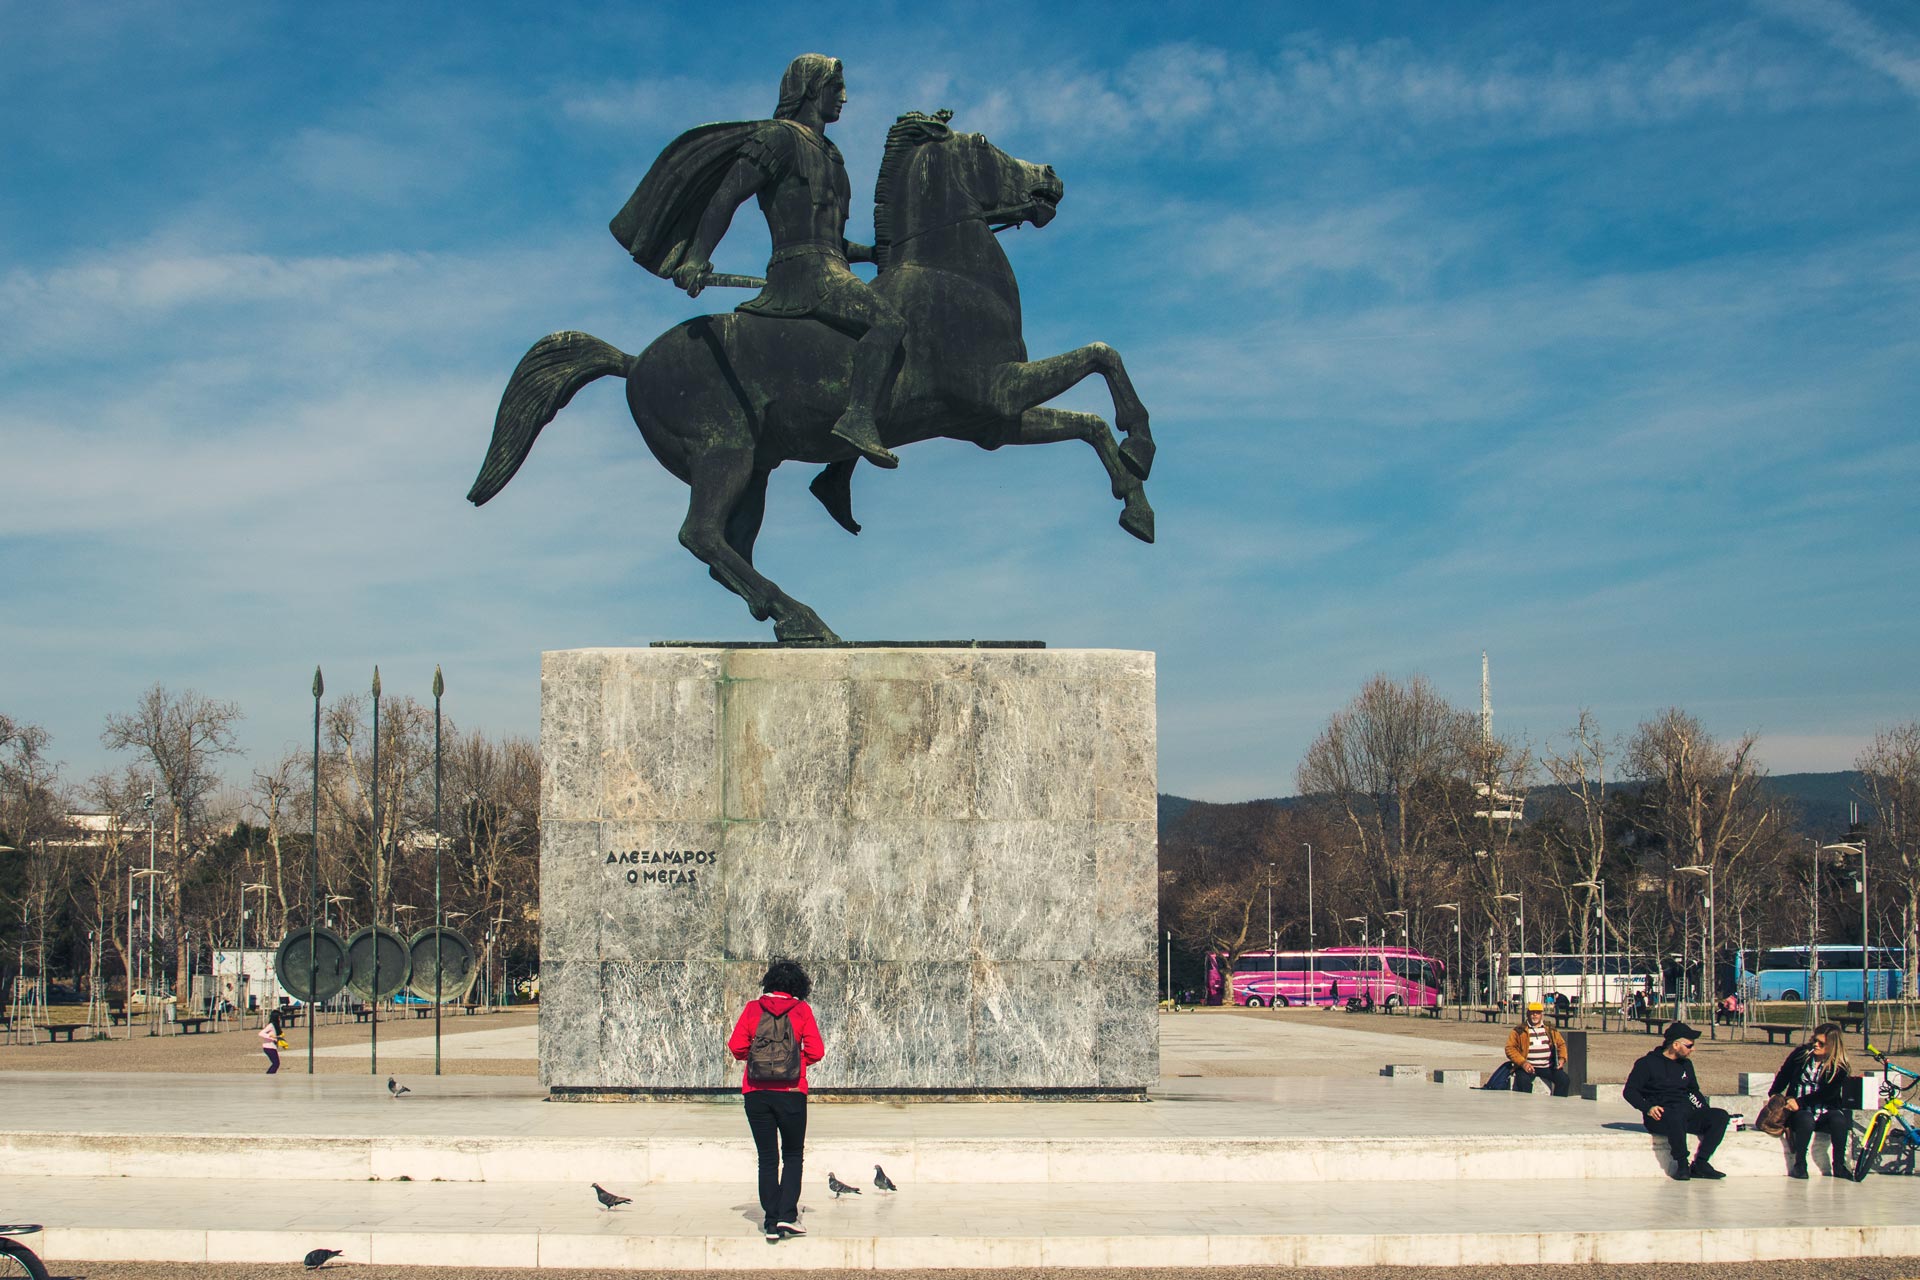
664	212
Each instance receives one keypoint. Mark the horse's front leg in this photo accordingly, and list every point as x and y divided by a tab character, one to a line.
1048	426
1015	388
722	480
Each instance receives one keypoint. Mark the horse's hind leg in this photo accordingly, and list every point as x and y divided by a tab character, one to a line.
743	525
722	480
1049	426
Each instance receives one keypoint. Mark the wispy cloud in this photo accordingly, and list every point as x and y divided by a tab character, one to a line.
1854	34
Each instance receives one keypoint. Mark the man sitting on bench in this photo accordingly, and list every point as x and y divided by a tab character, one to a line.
1537	1050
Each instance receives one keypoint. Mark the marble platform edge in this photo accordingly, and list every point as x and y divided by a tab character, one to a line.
462	1246
845	644
703	1158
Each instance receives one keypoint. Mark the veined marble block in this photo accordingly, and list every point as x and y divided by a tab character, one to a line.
958	844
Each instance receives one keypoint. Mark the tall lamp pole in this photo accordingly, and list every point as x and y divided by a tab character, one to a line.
1521	902
1404	944
313	874
1313	992
439	688
1602	887
1709	987
1459	954
379	869
1859	847
1273	954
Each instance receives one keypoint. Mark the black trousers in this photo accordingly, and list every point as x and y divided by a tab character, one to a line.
1676	1122
778	1119
1801	1126
1558	1082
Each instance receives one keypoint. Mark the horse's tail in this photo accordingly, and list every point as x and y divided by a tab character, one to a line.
552	370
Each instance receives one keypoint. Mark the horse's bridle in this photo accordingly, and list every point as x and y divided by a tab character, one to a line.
1015	215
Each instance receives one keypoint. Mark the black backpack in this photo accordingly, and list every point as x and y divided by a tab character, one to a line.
774	1055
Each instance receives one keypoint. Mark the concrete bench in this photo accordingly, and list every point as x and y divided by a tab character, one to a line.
193	1025
56	1033
1779	1029
1488	1015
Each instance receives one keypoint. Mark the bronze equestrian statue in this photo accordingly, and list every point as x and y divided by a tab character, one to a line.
821	367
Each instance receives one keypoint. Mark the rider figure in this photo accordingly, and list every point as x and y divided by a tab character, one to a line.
801	182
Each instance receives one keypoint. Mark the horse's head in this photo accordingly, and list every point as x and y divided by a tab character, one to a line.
934	176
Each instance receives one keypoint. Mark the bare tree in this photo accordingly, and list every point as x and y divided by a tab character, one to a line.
1704	804
1374	761
1890	787
182	735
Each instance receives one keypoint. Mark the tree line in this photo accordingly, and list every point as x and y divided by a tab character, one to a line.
233	857
1417	815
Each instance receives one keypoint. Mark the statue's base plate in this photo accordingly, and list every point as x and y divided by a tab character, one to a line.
641	1093
848	644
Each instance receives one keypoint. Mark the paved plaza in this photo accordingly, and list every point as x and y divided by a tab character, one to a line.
1217	1169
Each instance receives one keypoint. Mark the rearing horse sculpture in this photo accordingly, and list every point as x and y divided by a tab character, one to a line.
724	399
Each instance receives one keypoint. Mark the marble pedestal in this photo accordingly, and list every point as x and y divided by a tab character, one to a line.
958	844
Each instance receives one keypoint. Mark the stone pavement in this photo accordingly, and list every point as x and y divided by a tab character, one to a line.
1238	1170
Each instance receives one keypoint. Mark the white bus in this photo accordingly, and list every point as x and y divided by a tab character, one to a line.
1559	974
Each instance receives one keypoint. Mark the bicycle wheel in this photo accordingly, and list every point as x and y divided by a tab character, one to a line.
16	1260
1871	1146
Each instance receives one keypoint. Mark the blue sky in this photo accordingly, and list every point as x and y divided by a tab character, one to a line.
1585	334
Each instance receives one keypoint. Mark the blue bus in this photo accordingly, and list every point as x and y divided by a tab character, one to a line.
1784	973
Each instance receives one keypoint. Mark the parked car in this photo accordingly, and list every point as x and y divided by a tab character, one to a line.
138	1001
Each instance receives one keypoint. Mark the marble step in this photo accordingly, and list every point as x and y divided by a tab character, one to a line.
1615	1147
699	1228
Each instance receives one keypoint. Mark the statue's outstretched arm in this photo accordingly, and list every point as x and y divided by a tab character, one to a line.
741	181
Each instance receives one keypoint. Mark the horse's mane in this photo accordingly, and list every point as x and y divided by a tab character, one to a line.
909	132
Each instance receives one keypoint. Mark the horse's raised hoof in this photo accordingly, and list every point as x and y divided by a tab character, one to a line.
1138	522
1137	453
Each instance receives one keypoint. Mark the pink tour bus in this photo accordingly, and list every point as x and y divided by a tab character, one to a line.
1392	976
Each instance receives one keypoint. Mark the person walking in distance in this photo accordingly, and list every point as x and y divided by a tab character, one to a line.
1813	1081
1538	1052
1663	1087
778	1038
270	1041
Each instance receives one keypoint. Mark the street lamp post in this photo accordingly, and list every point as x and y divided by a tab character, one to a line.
1708	987
1866	990
439	920
1273	952
1521	902
135	874
246	982
1405	945
1459	954
1601	885
313	875
1363	922
1313	991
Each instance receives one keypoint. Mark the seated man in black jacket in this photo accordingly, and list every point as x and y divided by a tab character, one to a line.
1667	1093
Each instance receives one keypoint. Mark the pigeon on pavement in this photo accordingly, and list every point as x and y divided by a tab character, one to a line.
881	1181
840	1188
395	1088
607	1199
318	1258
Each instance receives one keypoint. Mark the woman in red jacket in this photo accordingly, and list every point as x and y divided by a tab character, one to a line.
776	1036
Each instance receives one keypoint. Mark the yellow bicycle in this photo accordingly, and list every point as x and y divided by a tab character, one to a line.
1894	1105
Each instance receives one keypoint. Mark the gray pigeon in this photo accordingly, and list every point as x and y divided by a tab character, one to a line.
395	1088
318	1258
881	1181
840	1188
607	1199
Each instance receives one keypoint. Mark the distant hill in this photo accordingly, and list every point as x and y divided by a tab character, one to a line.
1819	800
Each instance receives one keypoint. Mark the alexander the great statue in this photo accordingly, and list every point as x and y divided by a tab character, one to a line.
686	202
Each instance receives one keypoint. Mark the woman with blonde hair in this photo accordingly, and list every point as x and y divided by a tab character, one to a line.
1814	1081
